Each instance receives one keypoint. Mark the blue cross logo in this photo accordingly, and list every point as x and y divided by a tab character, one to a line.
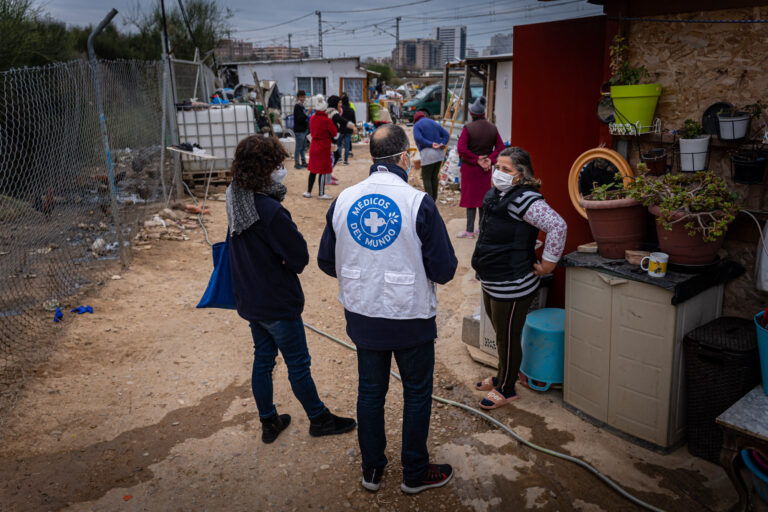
374	221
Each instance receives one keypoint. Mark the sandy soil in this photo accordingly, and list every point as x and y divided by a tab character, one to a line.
146	405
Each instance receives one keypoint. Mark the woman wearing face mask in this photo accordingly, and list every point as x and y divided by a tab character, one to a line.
267	253
513	213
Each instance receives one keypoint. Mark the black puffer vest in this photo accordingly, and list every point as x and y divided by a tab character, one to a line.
505	249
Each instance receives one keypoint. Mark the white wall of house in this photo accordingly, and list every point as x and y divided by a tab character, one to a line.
503	101
287	73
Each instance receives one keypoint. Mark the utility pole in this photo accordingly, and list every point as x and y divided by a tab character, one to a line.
289	45
397	30
320	31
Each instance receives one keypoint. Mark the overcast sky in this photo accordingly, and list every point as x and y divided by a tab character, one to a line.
347	32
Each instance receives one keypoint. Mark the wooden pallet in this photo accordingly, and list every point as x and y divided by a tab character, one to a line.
198	179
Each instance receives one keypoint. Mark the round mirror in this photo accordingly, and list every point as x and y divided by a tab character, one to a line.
595	167
605	111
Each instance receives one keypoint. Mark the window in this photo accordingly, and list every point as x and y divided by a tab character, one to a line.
354	88
311	85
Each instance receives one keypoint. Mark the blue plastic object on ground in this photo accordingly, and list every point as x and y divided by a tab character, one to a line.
542	340
759	479
58	315
762	347
82	309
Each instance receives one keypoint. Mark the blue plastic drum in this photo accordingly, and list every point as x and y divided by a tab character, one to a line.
542	340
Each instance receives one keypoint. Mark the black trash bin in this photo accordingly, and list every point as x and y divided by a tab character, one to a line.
721	366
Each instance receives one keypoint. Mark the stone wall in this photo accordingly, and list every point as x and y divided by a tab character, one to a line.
698	65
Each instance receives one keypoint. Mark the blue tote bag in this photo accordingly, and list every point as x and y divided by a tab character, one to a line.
220	291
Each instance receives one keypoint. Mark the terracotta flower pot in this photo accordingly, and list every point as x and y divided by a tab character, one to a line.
683	248
617	225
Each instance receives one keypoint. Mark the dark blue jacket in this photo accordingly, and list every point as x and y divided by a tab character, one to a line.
439	264
426	131
266	259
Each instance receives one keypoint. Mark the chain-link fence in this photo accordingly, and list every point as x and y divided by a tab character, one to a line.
58	236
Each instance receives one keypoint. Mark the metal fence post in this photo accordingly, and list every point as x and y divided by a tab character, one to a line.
103	125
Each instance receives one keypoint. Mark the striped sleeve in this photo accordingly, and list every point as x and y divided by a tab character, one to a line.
518	207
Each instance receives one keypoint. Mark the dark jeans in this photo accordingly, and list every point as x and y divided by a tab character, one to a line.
416	367
508	319
301	145
289	337
346	143
429	175
471	212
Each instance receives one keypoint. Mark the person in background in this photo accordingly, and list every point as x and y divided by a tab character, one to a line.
322	130
300	129
267	253
513	213
348	113
334	113
478	146
430	138
387	245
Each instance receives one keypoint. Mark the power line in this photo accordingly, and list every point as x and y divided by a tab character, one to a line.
379	8
277	25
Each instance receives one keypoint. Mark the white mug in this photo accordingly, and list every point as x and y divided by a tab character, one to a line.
657	264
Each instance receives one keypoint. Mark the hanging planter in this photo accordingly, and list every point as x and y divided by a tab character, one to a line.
634	105
748	167
733	126
655	160
694	147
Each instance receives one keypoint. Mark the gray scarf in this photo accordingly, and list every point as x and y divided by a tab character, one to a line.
241	208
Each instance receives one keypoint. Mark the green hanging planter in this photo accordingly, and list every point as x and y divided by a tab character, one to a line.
635	103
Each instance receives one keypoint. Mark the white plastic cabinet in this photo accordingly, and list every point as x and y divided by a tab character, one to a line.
623	352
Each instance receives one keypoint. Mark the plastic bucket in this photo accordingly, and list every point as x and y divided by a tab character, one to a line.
693	154
759	478
635	104
542	340
762	347
733	127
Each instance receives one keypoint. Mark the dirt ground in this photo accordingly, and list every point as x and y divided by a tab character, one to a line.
146	405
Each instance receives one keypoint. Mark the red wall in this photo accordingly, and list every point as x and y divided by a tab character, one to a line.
558	69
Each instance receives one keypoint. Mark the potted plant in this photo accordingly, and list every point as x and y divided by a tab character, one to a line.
633	103
694	145
748	167
733	124
617	221
693	213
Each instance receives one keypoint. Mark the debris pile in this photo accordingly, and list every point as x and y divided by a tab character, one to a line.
169	224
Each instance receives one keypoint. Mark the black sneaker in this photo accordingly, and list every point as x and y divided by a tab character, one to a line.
328	424
436	475
273	425
372	478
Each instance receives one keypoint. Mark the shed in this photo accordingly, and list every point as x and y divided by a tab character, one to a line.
325	76
496	74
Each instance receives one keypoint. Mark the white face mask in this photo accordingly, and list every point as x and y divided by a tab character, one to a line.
278	175
502	180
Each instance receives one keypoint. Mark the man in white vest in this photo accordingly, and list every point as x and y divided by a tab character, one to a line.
387	245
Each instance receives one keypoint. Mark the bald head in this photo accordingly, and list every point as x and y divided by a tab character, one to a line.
387	144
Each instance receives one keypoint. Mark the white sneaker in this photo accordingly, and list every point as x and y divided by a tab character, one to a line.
325	196
307	194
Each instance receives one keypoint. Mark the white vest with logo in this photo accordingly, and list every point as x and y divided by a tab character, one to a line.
378	252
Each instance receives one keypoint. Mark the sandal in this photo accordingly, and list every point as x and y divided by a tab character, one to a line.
486	384
495	399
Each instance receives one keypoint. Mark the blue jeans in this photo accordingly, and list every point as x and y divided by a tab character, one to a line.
289	337
346	143
301	146
416	367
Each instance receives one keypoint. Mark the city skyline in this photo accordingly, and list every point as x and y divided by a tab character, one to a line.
362	28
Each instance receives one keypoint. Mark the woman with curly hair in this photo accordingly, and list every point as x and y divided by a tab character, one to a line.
267	253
